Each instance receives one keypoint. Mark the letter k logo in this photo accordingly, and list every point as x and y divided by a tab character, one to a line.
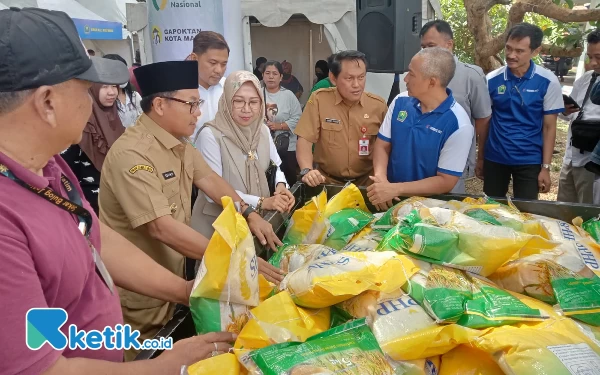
43	325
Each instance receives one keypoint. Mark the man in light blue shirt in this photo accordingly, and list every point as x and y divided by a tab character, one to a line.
425	138
526	100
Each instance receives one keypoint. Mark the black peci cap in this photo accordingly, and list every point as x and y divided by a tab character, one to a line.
167	76
41	47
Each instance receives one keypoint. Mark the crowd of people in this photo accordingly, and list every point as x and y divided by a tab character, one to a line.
153	164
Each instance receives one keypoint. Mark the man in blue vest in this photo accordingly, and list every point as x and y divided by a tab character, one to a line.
526	100
426	136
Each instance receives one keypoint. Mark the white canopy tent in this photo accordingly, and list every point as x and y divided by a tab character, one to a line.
303	32
78	11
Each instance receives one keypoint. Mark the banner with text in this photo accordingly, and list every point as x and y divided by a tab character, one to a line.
174	24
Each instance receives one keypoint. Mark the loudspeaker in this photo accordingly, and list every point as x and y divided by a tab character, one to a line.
388	33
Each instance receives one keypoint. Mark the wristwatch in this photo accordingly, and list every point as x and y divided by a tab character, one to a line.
248	211
304	172
547	166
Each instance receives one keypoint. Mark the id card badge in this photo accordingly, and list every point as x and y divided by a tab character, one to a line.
101	268
363	143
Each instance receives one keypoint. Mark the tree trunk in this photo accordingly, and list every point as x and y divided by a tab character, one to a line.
488	46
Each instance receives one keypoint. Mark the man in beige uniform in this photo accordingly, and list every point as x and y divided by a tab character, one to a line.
146	186
342	122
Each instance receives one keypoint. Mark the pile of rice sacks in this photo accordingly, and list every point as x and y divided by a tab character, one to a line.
429	287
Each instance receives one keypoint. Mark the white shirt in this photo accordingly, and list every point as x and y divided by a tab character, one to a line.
208	145
591	111
211	104
132	109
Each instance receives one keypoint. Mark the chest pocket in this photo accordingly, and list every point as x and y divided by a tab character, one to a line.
171	187
331	134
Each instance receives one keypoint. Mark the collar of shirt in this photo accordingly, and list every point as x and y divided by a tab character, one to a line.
508	74
28	176
159	133
443	107
213	88
339	99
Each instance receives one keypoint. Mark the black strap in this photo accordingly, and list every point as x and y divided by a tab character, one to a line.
587	95
71	205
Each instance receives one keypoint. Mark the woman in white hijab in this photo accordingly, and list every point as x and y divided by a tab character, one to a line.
238	146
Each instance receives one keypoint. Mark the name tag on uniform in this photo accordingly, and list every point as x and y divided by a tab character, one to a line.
168	175
363	143
332	121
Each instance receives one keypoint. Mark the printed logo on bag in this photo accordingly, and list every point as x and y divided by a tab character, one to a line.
141	167
402	115
43	326
169	175
501	90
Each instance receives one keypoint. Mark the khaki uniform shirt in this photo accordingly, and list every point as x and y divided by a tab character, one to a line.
148	174
335	129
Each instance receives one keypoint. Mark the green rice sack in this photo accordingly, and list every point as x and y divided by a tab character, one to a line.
343	224
350	349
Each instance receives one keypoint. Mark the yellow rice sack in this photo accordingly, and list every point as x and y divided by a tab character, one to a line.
306	223
556	346
224	364
341	276
227	281
466	360
291	257
397	213
449	238
427	366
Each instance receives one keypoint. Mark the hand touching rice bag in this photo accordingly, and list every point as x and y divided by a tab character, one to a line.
227	280
350	349
336	278
291	257
224	364
466	360
450	238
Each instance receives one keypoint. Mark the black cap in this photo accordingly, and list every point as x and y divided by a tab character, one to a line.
167	76
41	47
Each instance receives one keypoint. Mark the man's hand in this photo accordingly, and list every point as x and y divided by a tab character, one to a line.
544	182
283	190
382	193
479	169
263	230
198	348
313	178
570	109
270	272
278	202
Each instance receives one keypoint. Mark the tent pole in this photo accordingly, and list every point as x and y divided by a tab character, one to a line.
311	56
247	42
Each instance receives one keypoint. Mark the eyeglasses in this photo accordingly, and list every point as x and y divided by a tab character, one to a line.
253	104
193	105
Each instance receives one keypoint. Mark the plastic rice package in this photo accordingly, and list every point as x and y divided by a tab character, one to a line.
488	211
276	321
453	296
224	364
343	225
426	366
336	278
366	240
467	360
350	349
291	257
307	223
592	227
453	239
227	281
399	211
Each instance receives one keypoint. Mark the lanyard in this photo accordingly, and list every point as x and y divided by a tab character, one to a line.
73	205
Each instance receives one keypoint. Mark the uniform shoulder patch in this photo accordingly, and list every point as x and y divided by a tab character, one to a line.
141	167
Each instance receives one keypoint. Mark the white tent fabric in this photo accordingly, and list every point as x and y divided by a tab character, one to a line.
3	7
111	10
276	13
71	7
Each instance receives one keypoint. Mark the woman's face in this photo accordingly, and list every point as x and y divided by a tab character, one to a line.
246	105
108	95
271	77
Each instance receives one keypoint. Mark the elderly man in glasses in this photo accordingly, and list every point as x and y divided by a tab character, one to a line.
147	181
